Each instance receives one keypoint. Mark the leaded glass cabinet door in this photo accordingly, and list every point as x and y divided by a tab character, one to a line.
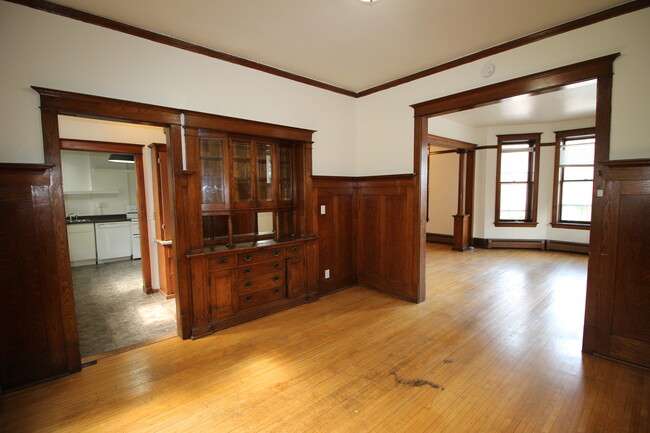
285	177
242	188
214	189
265	174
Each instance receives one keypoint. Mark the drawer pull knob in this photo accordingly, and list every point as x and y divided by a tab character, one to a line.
276	278
248	298
248	258
223	261
294	248
247	284
276	265
276	291
276	253
247	271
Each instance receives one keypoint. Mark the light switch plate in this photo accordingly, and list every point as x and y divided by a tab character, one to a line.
327	273
322	209
599	193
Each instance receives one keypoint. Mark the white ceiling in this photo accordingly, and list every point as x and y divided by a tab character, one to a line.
344	42
575	101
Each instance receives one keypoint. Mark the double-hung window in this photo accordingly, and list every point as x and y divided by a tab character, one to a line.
517	180
574	178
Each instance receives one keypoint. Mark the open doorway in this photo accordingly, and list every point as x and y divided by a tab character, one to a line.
108	187
561	165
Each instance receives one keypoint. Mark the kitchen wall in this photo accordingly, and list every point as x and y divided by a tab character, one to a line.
99	130
104	190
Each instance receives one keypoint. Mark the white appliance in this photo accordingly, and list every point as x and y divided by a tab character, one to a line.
132	212
113	241
135	238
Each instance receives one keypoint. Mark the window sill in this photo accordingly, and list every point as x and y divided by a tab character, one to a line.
515	223
575	226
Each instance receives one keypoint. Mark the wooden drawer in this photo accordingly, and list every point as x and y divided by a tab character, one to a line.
260	256
248	272
294	250
261	283
221	262
262	297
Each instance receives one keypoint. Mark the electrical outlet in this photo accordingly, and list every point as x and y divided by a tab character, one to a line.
327	273
322	209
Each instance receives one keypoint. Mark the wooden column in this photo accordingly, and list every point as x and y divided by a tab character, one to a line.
461	219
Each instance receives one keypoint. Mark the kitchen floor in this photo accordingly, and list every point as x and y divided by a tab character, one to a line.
114	312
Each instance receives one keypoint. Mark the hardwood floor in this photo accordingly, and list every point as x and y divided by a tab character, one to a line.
495	348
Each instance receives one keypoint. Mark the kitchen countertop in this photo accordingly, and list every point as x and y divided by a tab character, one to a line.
88	219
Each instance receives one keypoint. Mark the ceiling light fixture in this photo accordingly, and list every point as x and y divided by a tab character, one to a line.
368	2
123	158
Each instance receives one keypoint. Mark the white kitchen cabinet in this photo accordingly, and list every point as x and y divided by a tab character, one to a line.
81	243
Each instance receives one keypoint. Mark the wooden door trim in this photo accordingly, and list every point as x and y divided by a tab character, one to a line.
600	69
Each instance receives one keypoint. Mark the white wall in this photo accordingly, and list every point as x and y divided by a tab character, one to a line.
42	49
485	186
385	119
443	193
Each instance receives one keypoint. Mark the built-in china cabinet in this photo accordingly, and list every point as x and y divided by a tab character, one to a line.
253	251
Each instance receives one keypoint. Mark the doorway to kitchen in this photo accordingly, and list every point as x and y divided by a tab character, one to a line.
106	188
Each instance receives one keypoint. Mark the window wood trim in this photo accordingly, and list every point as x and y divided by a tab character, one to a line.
555	215
534	139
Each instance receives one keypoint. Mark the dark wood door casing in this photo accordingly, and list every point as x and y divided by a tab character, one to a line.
601	278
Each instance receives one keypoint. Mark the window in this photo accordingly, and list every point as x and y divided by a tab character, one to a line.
574	178
517	180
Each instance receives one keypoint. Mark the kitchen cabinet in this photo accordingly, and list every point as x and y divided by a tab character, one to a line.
81	244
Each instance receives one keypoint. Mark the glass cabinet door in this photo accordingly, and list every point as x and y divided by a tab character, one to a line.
212	171
285	181
264	172
242	174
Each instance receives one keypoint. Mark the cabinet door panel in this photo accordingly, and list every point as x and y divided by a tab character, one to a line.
221	285
296	277
264	174
213	174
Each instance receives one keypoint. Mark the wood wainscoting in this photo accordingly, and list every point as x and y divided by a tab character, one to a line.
35	270
364	233
617	323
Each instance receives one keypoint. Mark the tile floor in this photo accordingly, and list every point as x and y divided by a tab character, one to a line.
112	309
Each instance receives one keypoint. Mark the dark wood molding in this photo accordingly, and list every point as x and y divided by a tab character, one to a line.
9	167
436	140
616	11
440	238
243	126
627	163
530	84
79	104
89	18
100	146
440	152
485	147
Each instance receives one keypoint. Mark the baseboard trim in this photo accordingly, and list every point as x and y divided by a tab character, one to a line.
532	244
440	238
567	247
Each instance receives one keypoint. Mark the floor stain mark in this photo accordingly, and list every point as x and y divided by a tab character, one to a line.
416	382
448	361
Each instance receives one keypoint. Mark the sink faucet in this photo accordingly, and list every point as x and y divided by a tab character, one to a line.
71	215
